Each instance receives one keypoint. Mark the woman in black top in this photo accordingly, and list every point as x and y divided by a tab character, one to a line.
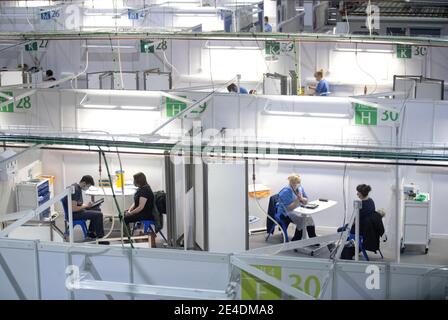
143	204
367	207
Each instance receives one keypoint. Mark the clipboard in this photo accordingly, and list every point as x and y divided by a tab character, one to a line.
97	202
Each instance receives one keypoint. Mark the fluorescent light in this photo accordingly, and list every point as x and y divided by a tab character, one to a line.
330	115
99	106
111	106
285	113
147	108
363	50
121	93
90	46
233	48
309	114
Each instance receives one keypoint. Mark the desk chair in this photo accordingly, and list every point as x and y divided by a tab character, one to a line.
361	246
283	222
81	223
147	224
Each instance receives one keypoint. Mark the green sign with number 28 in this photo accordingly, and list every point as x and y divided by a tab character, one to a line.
24	104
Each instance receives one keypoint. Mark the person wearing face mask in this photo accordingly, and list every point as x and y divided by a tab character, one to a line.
291	197
322	88
83	211
371	226
143	205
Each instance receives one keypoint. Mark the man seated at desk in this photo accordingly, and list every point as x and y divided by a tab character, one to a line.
83	211
291	197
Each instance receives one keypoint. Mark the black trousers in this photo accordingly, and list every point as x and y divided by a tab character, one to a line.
298	233
128	218
96	227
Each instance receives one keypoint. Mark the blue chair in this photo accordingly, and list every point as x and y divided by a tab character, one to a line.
361	246
283	222
147	224
81	223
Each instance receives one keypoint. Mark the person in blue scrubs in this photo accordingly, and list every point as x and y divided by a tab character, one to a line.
291	197
234	88
267	26
322	88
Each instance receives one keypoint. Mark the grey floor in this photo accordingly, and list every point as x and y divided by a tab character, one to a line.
437	255
78	235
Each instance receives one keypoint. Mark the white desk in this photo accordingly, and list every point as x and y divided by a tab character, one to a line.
323	205
107	191
108	207
258	197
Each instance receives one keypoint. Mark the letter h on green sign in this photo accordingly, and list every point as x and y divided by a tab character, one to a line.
146	46
364	115
9	107
253	288
173	107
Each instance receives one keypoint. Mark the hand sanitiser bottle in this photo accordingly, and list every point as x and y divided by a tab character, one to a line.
120	178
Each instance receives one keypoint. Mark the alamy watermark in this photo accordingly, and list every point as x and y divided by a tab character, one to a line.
373	17
72	281
373	278
225	146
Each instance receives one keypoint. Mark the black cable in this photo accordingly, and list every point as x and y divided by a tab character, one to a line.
120	214
343	193
99	163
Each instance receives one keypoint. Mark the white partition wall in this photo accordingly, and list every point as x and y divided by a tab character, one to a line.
199	230
226	207
35	270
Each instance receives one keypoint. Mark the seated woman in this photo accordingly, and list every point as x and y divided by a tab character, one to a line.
368	224
291	197
143	204
367	207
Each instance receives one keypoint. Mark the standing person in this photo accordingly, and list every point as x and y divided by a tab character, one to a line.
83	211
234	88
322	88
267	26
291	197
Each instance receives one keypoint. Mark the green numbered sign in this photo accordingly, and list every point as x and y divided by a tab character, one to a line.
365	115
272	47
253	288
404	51
173	107
149	46
10	106
22	105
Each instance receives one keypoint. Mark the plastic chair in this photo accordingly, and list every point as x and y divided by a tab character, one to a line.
147	224
361	247
81	223
283	222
